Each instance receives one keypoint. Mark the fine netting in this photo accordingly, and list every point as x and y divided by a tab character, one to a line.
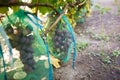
61	39
4	43
33	61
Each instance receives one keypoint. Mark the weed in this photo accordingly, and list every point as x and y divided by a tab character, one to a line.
105	58
116	53
81	45
100	36
102	9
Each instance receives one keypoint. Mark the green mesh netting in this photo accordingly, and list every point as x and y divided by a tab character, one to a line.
60	39
32	62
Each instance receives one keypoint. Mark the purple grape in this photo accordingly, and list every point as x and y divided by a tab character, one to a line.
27	68
31	61
29	55
29	49
23	40
31	37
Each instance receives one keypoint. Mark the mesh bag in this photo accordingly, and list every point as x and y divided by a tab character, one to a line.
4	42
61	39
33	61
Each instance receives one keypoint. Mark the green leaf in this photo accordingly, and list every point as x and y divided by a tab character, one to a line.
15	8
81	0
34	1
42	1
73	11
70	1
3	9
44	9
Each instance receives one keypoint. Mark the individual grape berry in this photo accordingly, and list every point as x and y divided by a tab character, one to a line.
57	44
59	38
55	38
29	55
24	56
24	61
31	61
69	40
27	68
58	32
23	40
23	47
29	49
58	50
68	36
33	67
28	41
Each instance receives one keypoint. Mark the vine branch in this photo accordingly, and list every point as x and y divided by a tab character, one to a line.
57	20
78	3
60	16
28	4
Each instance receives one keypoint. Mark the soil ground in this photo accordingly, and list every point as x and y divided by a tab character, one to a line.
96	61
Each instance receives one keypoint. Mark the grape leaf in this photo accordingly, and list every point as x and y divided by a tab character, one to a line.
34	1
42	1
70	0
3	9
55	61
15	8
44	9
81	0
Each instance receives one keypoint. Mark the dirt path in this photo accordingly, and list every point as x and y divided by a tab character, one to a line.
102	35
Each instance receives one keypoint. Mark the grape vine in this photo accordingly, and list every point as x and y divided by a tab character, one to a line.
77	9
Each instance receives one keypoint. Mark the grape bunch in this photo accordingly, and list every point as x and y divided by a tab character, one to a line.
22	39
62	40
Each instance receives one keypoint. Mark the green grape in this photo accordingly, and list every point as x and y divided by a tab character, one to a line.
58	50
